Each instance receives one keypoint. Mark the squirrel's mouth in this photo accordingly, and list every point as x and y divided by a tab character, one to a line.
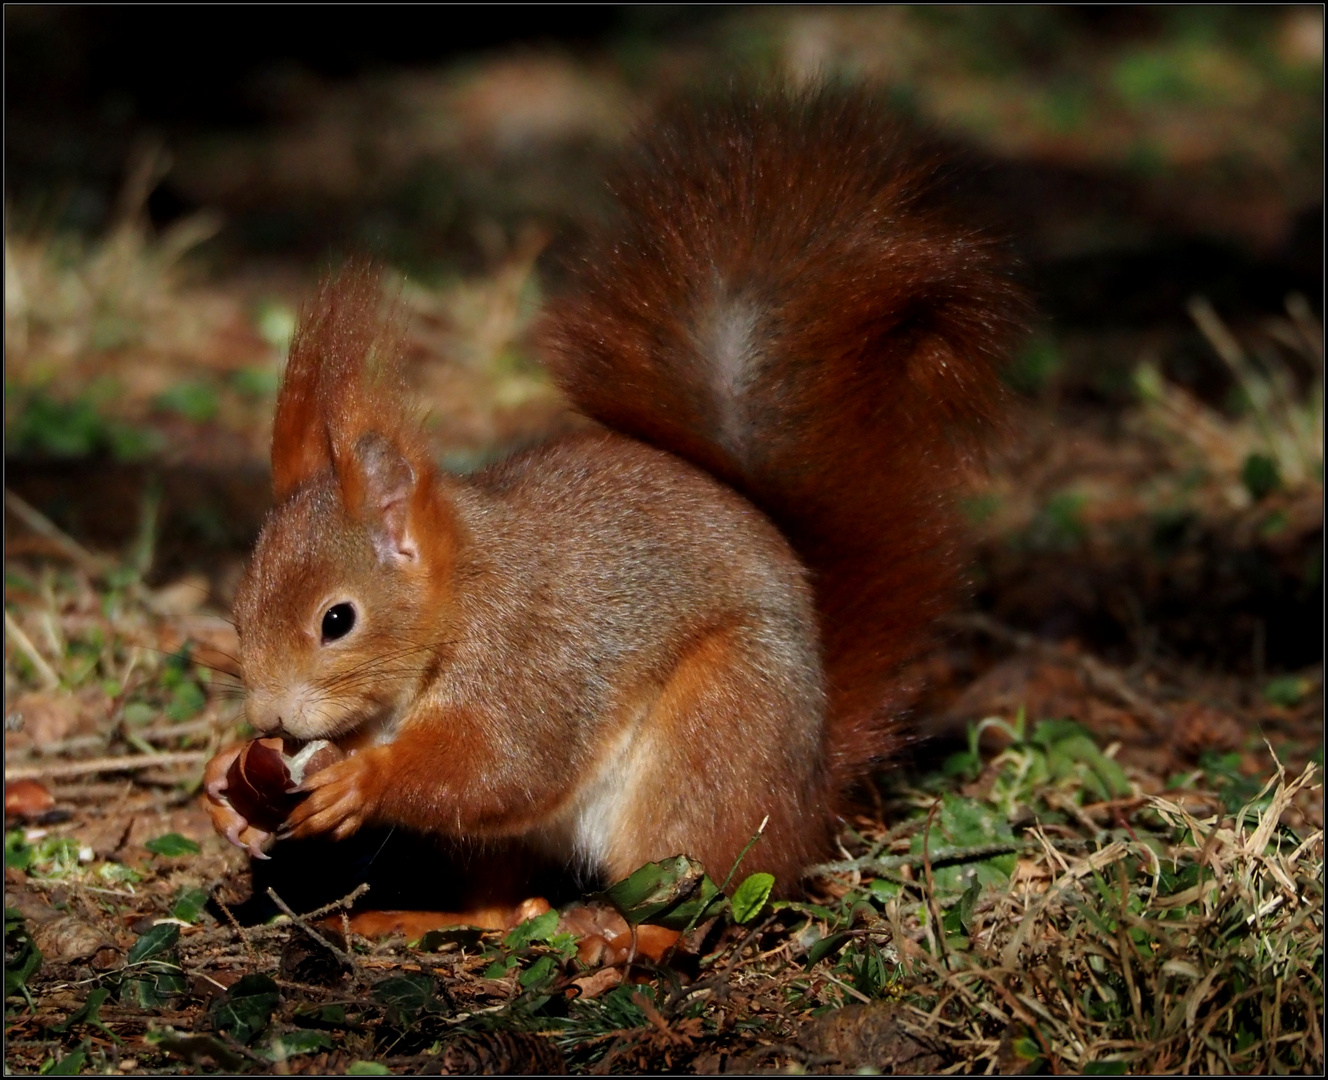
364	729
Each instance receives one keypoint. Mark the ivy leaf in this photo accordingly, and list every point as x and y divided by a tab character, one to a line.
172	844
158	940
189	904
246	1008
290	1043
330	1015
407	996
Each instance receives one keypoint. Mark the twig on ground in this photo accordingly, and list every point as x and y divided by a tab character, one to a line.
49	679
92	565
122	763
338	905
302	922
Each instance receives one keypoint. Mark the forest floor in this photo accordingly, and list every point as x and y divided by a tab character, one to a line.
1105	856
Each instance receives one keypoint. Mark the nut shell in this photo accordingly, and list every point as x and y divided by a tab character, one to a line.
259	782
256	785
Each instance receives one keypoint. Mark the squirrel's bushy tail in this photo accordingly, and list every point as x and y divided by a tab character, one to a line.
782	300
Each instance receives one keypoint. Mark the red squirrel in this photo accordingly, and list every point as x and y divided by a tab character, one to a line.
645	639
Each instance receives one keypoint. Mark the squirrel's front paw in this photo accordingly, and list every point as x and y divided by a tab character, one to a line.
340	798
228	821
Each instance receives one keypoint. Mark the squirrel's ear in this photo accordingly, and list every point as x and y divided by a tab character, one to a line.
386	482
329	393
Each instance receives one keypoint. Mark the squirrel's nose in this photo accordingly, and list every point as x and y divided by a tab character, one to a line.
263	713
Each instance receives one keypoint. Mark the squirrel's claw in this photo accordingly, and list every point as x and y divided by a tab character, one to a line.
243	835
235	828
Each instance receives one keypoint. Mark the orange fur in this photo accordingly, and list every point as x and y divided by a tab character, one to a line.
698	734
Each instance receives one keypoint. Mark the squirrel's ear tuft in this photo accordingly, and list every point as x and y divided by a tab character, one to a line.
386	485
342	382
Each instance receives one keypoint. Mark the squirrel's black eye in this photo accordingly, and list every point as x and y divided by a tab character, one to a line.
337	622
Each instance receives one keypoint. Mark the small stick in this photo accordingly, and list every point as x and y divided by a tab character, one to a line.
345	902
92	565
124	763
49	679
239	930
932	906
302	923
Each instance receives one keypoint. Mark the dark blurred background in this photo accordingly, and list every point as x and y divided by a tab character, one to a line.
85	84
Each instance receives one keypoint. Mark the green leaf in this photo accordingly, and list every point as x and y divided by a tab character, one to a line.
406	996
966	904
329	1015
957	920
468	937
194	401
539	973
153	990
827	946
654	887
367	1068
1260	475
750	897
18	852
1069	747
500	969
159	939
189	904
118	874
965	764
675	893
193	1047
290	1043
883	890
69	1065
89	1013
816	911
1105	1068
172	844
540	928
1287	690
246	1008
964	825
22	957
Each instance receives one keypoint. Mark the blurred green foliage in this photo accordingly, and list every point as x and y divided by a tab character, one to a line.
40	424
